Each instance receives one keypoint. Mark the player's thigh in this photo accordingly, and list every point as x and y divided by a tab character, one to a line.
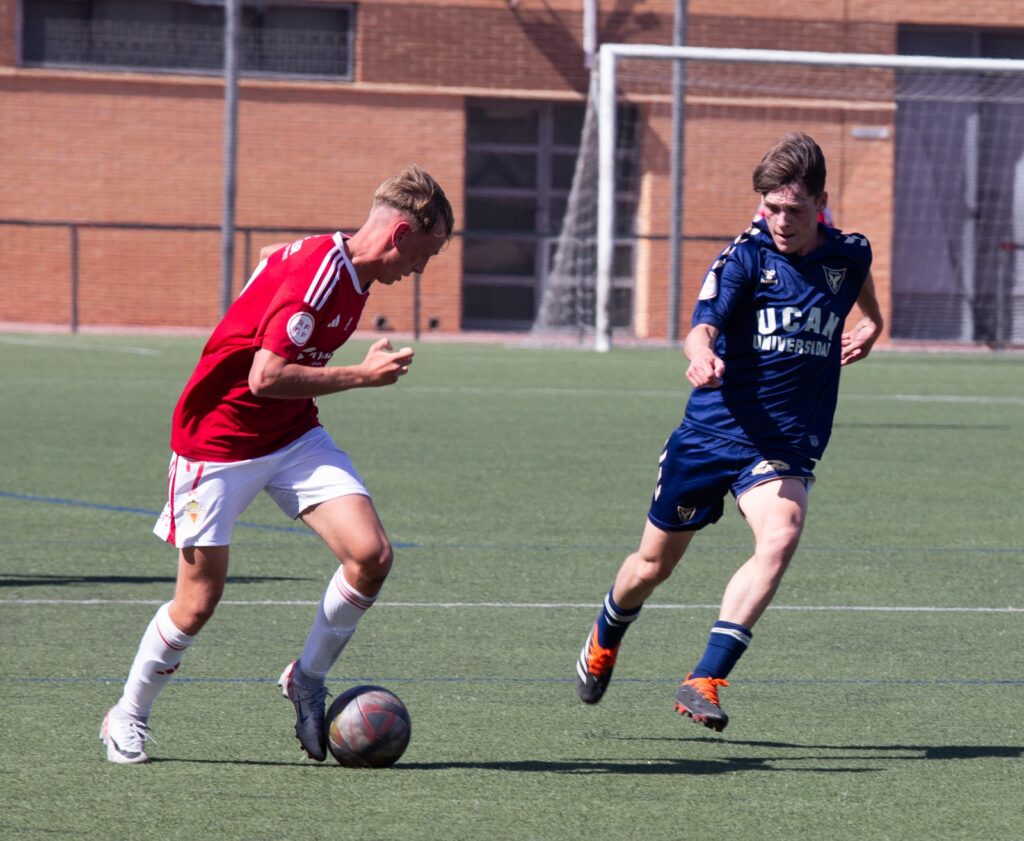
695	472
351	528
776	511
205	500
652	563
203	566
664	548
313	471
202	573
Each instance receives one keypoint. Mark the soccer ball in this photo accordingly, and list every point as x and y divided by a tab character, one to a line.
367	727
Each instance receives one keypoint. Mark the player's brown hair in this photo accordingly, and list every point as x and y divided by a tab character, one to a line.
795	158
420	197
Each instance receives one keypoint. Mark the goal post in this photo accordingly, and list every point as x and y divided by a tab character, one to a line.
946	89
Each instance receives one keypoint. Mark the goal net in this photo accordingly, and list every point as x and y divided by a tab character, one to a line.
925	157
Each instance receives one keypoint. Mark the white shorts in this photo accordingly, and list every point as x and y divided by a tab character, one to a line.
206	498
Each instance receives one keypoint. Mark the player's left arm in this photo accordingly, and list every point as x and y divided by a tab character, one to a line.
857	342
267	250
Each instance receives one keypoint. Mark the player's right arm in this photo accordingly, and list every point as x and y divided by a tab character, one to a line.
705	369
272	375
727	281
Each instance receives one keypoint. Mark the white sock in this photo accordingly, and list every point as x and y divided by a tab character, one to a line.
336	618
158	657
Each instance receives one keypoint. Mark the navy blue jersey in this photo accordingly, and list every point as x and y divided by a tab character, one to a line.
780	322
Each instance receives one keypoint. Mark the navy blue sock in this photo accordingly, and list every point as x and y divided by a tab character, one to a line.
613	622
726	645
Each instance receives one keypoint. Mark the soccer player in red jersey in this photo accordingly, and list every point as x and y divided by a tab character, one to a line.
247	422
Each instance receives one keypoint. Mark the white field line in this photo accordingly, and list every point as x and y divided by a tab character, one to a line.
680	394
91	347
520	605
937	398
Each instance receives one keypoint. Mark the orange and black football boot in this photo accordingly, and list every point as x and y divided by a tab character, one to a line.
698	698
594	668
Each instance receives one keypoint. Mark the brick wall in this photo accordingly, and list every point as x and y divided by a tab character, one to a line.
144	148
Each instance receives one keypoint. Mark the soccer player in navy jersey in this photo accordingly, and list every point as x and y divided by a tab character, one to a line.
765	352
247	421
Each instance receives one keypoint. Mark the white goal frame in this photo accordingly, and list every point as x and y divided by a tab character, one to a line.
609	54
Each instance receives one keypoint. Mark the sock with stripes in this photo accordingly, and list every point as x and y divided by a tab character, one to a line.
613	622
336	618
158	658
725	646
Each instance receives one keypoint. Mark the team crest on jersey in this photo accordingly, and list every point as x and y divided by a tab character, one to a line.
835	278
769	277
769	466
300	328
685	514
710	288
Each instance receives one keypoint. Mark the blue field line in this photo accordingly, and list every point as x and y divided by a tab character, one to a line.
124	509
53	500
498	679
543	547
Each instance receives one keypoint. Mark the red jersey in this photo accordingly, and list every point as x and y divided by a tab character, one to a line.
302	303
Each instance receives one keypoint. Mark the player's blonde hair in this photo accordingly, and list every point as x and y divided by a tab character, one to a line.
421	198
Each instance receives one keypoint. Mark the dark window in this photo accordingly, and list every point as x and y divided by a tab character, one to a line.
502	169
563	167
500	304
500	257
499	213
502	123
520	163
176	35
568	124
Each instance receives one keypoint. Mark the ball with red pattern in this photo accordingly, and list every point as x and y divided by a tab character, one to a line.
367	727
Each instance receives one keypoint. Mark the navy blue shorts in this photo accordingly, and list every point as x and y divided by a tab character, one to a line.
696	470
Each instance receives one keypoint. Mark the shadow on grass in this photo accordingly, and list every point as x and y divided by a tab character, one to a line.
62	580
914	752
637	767
533	766
255	763
823	755
953	426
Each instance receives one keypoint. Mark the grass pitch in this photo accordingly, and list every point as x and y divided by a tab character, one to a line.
882	698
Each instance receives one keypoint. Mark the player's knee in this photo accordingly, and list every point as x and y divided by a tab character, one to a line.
649	572
190	615
373	563
774	553
779	537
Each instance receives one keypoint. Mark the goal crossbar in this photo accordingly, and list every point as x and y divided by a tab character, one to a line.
609	54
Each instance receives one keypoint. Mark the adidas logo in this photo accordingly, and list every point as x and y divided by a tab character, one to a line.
335	321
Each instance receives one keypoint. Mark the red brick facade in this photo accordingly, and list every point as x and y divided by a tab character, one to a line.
145	148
